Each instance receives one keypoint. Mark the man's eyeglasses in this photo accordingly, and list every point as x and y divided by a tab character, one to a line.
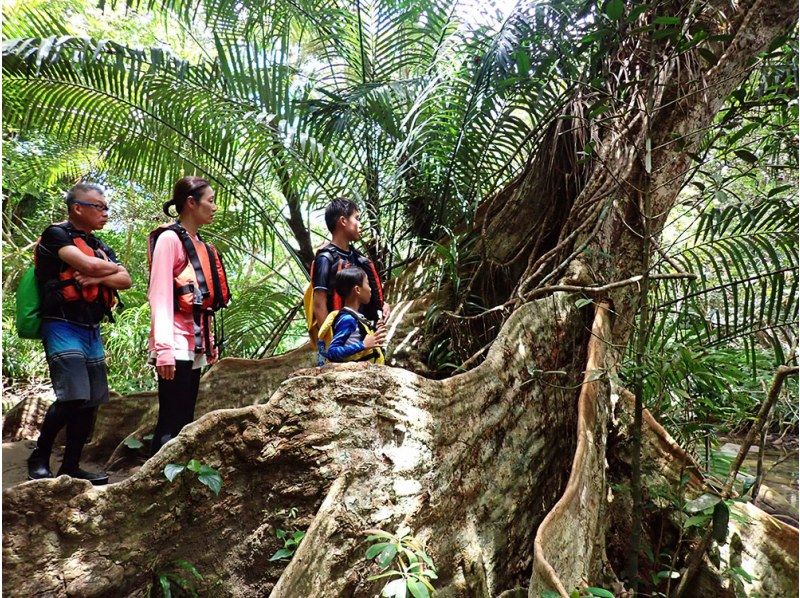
92	205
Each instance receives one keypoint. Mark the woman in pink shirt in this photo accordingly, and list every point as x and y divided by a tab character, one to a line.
174	335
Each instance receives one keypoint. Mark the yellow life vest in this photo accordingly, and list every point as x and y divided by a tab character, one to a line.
325	337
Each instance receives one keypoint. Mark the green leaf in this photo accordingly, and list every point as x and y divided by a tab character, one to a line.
743	519
580	303
212	479
614	9
379	534
600	592
172	470
720	525
777	43
596	110
133	443
747	156
417	589
743	574
637	11
386	556
390	573
283	553
696	521
701	503
427	559
708	56
205	469
281	534
594	36
163	581
523	62
186	565
777	190
194	465
667	21
376	549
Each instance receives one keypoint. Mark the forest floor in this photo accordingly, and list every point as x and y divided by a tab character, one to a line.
15	454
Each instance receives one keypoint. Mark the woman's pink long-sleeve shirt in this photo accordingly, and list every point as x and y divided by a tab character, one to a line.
171	331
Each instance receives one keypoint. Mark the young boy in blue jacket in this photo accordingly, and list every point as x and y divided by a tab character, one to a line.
346	334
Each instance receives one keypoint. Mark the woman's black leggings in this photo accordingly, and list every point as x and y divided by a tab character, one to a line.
176	401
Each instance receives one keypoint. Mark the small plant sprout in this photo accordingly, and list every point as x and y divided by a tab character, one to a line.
206	474
291	540
403	562
181	575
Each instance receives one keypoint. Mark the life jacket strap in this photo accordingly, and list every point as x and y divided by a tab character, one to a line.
194	259
197	317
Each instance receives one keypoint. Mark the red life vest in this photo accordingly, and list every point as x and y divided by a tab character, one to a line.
335	301
71	290
201	288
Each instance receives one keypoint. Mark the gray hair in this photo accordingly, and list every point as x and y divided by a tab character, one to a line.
70	198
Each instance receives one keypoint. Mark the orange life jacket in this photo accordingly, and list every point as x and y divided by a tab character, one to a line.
71	290
192	291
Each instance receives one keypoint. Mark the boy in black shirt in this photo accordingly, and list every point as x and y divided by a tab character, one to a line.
341	217
78	276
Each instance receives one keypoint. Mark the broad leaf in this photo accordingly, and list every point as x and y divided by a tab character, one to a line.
282	553
133	443
172	470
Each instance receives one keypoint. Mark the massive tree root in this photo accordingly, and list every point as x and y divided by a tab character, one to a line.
472	464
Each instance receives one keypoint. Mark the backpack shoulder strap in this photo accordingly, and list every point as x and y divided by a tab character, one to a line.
153	238
368	266
327	251
64	226
326	329
103	246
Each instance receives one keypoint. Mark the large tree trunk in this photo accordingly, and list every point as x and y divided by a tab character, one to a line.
500	470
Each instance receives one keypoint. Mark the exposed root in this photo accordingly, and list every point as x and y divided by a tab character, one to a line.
566	549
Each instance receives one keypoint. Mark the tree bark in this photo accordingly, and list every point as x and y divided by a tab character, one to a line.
472	464
486	467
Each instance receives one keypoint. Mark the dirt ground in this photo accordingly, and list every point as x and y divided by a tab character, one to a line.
15	469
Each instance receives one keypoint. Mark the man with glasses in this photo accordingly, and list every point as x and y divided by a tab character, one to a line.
78	278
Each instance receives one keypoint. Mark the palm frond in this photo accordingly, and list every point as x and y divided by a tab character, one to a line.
157	117
745	259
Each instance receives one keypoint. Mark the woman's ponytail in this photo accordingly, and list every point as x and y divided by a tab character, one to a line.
166	207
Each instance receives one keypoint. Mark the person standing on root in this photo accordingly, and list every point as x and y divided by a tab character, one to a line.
346	333
78	277
342	220
187	285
